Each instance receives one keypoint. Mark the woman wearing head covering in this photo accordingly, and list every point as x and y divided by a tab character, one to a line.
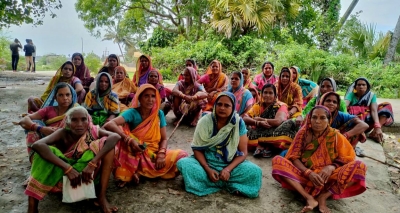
101	102
142	150
320	163
189	97
247	82
189	63
124	87
143	68
214	82
349	125
111	62
48	119
154	79
266	76
289	93
64	74
220	149
361	101
82	71
243	96
309	88
80	151
271	128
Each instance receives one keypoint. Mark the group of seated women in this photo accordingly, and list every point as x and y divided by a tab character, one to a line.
120	128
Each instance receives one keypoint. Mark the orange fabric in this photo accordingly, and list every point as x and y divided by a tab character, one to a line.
291	94
219	84
139	73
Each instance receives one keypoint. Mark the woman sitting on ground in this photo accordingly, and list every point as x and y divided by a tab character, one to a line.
154	79
82	71
101	102
64	74
255	94
80	150
326	85
143	68
124	88
214	82
361	101
111	62
320	163
271	129
220	150
142	150
349	125
266	76
309	88
189	97
243	96
48	119
247	82
189	63
289	93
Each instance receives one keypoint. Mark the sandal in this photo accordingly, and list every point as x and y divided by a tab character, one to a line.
359	152
258	153
267	154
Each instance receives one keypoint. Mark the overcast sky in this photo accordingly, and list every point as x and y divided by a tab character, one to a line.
64	34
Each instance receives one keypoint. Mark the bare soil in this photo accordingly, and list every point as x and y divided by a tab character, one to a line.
162	195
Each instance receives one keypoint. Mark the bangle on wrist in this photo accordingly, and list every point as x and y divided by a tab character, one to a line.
307	172
32	127
68	170
377	125
92	164
227	170
38	128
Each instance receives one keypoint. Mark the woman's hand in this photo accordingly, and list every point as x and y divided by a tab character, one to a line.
134	146
160	161
326	172
87	174
264	124
74	177
47	130
316	179
299	120
378	134
188	98
212	175
225	174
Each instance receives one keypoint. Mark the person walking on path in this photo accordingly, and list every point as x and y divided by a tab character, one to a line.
28	48
15	54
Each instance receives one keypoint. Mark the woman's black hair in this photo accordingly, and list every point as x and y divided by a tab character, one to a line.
265	63
191	61
77	54
269	86
113	56
70	63
238	74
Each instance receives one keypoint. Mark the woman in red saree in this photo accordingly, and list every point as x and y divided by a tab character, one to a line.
214	82
142	150
320	163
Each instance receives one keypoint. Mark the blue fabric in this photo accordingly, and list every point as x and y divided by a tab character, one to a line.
342	118
133	118
51	99
306	86
246	95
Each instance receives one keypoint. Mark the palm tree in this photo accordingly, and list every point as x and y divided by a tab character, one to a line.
115	34
243	16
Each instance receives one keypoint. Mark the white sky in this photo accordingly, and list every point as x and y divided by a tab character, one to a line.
62	35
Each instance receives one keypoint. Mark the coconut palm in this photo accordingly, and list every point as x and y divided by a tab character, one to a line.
113	33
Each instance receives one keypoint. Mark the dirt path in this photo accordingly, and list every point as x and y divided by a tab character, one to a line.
154	195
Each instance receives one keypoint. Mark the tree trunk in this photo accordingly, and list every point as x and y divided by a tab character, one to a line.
120	49
393	44
348	12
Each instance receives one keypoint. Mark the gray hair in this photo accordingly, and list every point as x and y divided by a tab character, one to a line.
73	110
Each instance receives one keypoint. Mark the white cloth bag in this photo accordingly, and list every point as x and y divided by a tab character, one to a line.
82	192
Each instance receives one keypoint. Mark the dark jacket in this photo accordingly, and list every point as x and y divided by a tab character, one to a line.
14	48
29	49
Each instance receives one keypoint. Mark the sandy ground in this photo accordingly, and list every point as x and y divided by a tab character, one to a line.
162	195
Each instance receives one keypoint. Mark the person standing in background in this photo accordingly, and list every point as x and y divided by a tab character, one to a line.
28	48
33	55
15	54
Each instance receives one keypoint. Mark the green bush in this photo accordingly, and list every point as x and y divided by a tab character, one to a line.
93	62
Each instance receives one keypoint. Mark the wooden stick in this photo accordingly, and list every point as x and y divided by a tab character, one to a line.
386	163
176	127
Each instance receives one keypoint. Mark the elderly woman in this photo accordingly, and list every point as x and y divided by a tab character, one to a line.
361	101
82	71
124	88
101	102
266	76
189	97
80	151
64	74
142	151
309	88
189	63
143	68
270	127
220	150
289	93
48	119
320	163
349	125
243	95
214	82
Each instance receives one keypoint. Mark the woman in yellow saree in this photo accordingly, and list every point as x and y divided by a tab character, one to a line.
214	82
142	150
289	93
124	88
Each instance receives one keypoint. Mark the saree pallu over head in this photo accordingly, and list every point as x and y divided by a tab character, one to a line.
125	87
243	96
226	140
334	87
290	94
218	83
257	97
364	100
58	77
82	71
189	89
140	77
159	86
307	87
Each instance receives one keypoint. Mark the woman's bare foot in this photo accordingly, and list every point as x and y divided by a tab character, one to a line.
136	178
322	202
121	184
105	205
311	204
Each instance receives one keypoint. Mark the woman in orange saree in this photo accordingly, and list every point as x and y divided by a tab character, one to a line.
289	93
320	163
142	150
214	82
124	88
